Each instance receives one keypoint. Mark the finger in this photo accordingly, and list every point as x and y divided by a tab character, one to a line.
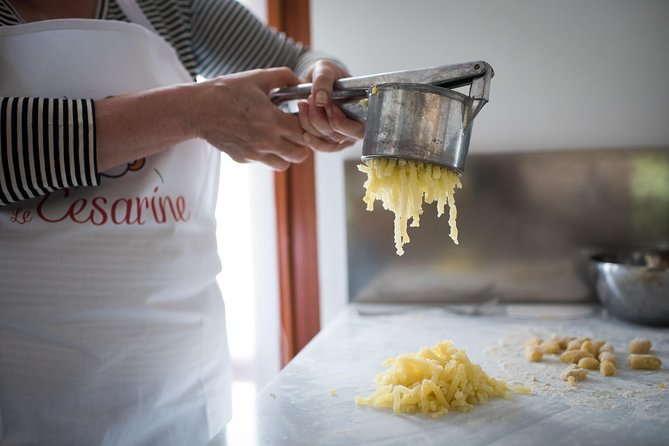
274	161
236	157
320	121
336	140
289	151
323	78
345	126
305	122
290	127
326	146
277	77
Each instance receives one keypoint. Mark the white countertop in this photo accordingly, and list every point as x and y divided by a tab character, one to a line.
298	407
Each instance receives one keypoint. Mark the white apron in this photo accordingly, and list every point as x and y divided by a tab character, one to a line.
112	327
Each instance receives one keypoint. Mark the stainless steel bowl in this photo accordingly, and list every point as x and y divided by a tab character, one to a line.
634	285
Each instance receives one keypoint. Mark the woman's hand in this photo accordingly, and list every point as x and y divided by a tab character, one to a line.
234	114
326	127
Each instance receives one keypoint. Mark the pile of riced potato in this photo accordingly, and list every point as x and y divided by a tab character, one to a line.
583	354
434	381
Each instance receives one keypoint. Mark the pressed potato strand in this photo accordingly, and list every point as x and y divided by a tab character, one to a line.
403	185
433	381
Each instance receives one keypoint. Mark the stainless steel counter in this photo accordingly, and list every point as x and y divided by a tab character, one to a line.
311	401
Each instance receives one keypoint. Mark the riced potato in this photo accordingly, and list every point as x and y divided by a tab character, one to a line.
403	186
574	373
433	381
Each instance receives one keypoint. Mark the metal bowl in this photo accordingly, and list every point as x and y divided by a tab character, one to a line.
634	285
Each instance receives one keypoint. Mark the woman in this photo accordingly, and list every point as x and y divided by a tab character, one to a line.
111	323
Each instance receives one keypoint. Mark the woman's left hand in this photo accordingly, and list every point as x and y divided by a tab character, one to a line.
327	128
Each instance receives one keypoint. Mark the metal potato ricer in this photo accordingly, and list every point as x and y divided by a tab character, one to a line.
413	114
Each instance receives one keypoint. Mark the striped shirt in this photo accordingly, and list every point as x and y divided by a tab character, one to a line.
48	144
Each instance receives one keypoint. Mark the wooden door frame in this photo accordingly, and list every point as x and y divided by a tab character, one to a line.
295	195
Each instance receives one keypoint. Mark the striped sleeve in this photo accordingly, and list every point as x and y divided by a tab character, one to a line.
45	145
228	38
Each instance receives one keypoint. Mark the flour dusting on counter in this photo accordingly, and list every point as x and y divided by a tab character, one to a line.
642	392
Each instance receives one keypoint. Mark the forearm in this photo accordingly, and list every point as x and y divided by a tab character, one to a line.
138	125
49	144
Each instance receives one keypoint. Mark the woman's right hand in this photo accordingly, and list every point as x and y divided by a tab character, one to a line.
235	115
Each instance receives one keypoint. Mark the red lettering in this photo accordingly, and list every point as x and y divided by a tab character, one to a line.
20	216
114	211
75	210
142	202
99	210
42	211
162	218
181	209
166	201
98	205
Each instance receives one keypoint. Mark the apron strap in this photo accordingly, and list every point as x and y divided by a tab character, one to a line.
132	10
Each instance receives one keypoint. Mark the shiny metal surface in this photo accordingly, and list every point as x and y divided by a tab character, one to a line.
634	285
419	122
357	87
413	114
528	223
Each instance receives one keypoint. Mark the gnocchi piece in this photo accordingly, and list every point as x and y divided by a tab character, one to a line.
607	347
588	346
644	362
598	344
573	356
640	345
551	347
574	373
607	356
574	344
588	363
534	354
533	342
607	368
565	341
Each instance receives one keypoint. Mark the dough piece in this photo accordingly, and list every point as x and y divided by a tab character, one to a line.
640	345
644	362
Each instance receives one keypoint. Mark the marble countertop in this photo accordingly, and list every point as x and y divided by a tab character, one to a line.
311	402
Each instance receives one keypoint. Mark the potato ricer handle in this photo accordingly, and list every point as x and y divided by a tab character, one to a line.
302	91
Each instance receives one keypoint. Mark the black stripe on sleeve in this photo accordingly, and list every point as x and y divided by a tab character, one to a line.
57	139
88	151
66	149
7	193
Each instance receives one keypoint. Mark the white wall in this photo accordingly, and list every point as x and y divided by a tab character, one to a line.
569	74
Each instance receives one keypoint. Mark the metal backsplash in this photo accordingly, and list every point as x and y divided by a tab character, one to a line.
527	223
